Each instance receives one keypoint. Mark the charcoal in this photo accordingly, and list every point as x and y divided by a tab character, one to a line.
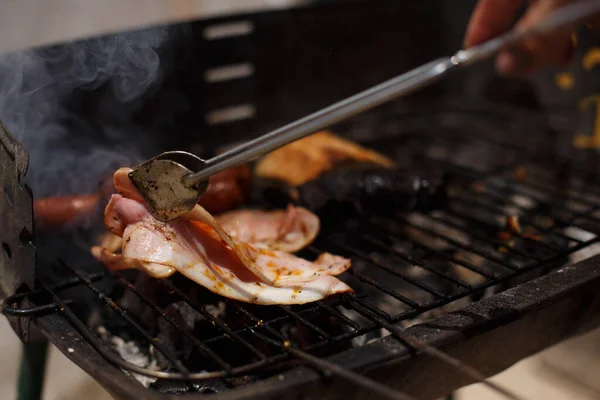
364	188
209	386
136	307
361	321
437	262
293	330
171	387
171	337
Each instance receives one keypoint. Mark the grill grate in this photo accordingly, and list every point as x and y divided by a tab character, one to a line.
405	268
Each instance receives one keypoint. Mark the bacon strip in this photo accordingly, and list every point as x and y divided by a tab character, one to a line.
197	246
288	230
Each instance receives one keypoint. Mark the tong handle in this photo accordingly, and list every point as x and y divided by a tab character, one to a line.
395	87
565	15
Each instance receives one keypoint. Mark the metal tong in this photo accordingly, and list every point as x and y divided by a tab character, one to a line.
172	183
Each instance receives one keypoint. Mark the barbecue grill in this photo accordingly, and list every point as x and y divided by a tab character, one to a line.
443	299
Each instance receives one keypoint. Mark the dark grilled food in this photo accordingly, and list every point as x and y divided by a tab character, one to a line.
368	189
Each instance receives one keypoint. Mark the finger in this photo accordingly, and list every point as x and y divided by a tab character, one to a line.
490	18
567	55
536	52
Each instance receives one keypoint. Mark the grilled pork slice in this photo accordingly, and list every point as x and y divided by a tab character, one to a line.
310	157
288	230
196	246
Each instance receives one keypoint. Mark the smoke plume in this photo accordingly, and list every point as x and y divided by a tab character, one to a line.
73	146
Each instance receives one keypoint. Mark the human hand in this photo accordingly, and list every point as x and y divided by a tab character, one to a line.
494	17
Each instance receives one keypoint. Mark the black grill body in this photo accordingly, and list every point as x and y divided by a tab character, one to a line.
452	279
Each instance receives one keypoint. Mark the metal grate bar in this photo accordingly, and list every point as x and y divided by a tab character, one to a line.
325	366
335	313
584	215
199	343
497	243
466	247
272	321
368	305
110	303
462	263
490	194
529	188
220	324
547	230
483	177
394	233
282	318
368	280
432	351
330	368
581	186
515	145
305	322
45	308
371	282
399	274
494	195
339	338
258	322
117	360
465	171
494	242
417	263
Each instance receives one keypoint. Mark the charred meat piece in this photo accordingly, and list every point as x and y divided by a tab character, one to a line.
196	246
308	158
227	190
372	190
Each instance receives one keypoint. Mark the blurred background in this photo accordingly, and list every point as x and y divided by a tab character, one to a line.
567	371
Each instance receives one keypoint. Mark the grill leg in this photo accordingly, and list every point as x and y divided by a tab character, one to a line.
31	373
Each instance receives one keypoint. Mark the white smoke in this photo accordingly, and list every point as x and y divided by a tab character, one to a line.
39	88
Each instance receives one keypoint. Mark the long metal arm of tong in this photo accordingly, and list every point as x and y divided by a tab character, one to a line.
393	88
172	182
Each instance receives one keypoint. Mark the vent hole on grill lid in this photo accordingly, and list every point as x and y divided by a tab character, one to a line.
231	29
7	250
25	237
230	114
228	72
9	194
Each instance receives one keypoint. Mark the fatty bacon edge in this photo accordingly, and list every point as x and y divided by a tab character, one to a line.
247	266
